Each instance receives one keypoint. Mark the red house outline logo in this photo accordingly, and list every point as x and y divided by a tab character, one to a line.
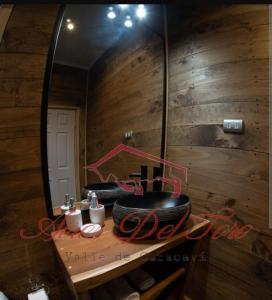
172	180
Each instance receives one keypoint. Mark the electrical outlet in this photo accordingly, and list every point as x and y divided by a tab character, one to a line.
233	126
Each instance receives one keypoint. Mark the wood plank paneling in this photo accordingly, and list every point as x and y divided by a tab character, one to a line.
23	55
5	11
218	70
36	29
125	93
20	92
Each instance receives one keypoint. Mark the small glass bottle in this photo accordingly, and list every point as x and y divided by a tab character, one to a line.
85	203
65	207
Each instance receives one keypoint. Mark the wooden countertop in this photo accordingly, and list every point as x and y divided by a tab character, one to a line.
90	262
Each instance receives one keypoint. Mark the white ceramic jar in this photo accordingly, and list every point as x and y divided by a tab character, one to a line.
73	220
97	215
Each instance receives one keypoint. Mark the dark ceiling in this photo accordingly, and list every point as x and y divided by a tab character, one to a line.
93	33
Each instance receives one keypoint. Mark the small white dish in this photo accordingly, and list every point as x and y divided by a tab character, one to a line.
90	230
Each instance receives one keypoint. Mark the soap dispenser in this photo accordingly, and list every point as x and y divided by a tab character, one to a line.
65	207
93	200
85	204
73	217
89	196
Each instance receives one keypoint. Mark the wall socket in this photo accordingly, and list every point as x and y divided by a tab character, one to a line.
234	126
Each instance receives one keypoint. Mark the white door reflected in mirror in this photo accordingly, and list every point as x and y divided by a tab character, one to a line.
61	154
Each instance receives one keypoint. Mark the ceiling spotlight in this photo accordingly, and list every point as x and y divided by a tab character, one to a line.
111	13
123	6
128	23
70	26
68	20
141	12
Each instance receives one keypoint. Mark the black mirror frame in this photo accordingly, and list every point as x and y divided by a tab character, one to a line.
44	108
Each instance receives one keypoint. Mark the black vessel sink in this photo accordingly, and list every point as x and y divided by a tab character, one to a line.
169	210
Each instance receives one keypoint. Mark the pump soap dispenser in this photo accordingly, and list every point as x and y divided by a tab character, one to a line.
65	207
85	204
73	217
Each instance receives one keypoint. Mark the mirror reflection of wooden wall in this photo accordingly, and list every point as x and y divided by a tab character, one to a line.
125	93
115	91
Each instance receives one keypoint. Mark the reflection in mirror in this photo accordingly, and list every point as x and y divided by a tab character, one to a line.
106	89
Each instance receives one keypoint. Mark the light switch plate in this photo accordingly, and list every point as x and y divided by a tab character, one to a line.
234	126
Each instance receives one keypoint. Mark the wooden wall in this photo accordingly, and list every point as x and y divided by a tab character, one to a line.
5	11
219	69
125	93
23	55
68	89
